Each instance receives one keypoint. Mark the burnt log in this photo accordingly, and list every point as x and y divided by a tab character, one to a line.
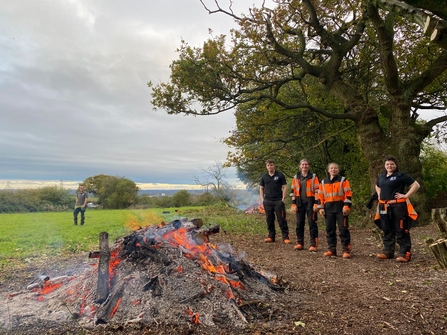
110	307
154	286
94	254
102	290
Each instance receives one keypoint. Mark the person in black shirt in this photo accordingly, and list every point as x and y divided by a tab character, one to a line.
395	210
273	191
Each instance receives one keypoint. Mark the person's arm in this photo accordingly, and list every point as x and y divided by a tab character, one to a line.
85	201
413	189
378	192
284	192
261	193
76	202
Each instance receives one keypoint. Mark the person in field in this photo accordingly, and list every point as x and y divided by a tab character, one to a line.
80	205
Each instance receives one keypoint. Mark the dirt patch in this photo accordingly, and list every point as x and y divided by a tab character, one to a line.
362	295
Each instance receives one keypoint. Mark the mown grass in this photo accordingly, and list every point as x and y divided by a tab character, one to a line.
24	237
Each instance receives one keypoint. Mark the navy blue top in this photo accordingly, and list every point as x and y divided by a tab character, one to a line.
393	184
273	185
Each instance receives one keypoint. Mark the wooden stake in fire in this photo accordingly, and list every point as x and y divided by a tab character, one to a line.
102	291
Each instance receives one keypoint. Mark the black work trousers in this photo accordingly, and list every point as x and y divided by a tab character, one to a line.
395	226
333	217
278	209
303	211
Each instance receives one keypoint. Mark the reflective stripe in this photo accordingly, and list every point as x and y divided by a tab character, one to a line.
310	189
410	209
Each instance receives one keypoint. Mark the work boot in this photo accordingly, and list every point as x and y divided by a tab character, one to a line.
287	240
314	246
404	259
269	240
347	251
385	255
329	253
299	247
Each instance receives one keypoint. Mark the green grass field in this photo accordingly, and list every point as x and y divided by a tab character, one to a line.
24	237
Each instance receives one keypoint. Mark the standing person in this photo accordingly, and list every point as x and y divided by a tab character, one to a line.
334	203
395	210
305	186
80	205
273	191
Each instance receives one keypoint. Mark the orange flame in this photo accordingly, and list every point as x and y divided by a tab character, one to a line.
49	287
194	316
112	313
147	219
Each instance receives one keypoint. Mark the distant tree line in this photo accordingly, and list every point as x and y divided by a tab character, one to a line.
112	193
49	198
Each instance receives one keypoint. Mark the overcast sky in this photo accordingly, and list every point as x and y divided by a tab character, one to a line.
74	98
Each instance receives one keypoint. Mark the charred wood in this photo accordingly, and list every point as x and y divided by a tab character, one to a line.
154	286
110	307
102	291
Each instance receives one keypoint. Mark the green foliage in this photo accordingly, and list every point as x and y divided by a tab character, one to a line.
181	198
325	80
93	184
50	198
117	192
434	162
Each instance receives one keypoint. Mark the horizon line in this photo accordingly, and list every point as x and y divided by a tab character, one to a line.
34	184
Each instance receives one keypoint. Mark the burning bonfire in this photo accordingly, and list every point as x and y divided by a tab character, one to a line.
256	208
169	273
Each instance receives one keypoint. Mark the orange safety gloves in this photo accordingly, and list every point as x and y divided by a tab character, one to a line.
346	210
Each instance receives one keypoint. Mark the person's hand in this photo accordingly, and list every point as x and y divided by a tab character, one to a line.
346	210
400	196
315	209
322	212
294	208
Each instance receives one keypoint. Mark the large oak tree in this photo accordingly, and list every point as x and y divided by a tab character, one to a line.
376	65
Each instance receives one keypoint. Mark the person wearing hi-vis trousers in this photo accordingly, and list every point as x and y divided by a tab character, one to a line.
305	186
395	213
334	203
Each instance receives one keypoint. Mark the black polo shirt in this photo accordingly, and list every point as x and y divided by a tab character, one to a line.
273	185
393	184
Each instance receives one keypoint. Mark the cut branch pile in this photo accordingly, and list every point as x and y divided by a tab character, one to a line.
167	273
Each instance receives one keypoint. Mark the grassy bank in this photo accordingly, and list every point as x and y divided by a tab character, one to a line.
25	237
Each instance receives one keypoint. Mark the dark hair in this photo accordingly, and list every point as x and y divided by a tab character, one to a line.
393	159
270	161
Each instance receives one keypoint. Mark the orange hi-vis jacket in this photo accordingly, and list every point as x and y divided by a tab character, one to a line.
312	185
339	190
411	211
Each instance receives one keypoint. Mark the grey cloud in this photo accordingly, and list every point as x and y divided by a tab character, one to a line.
74	100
